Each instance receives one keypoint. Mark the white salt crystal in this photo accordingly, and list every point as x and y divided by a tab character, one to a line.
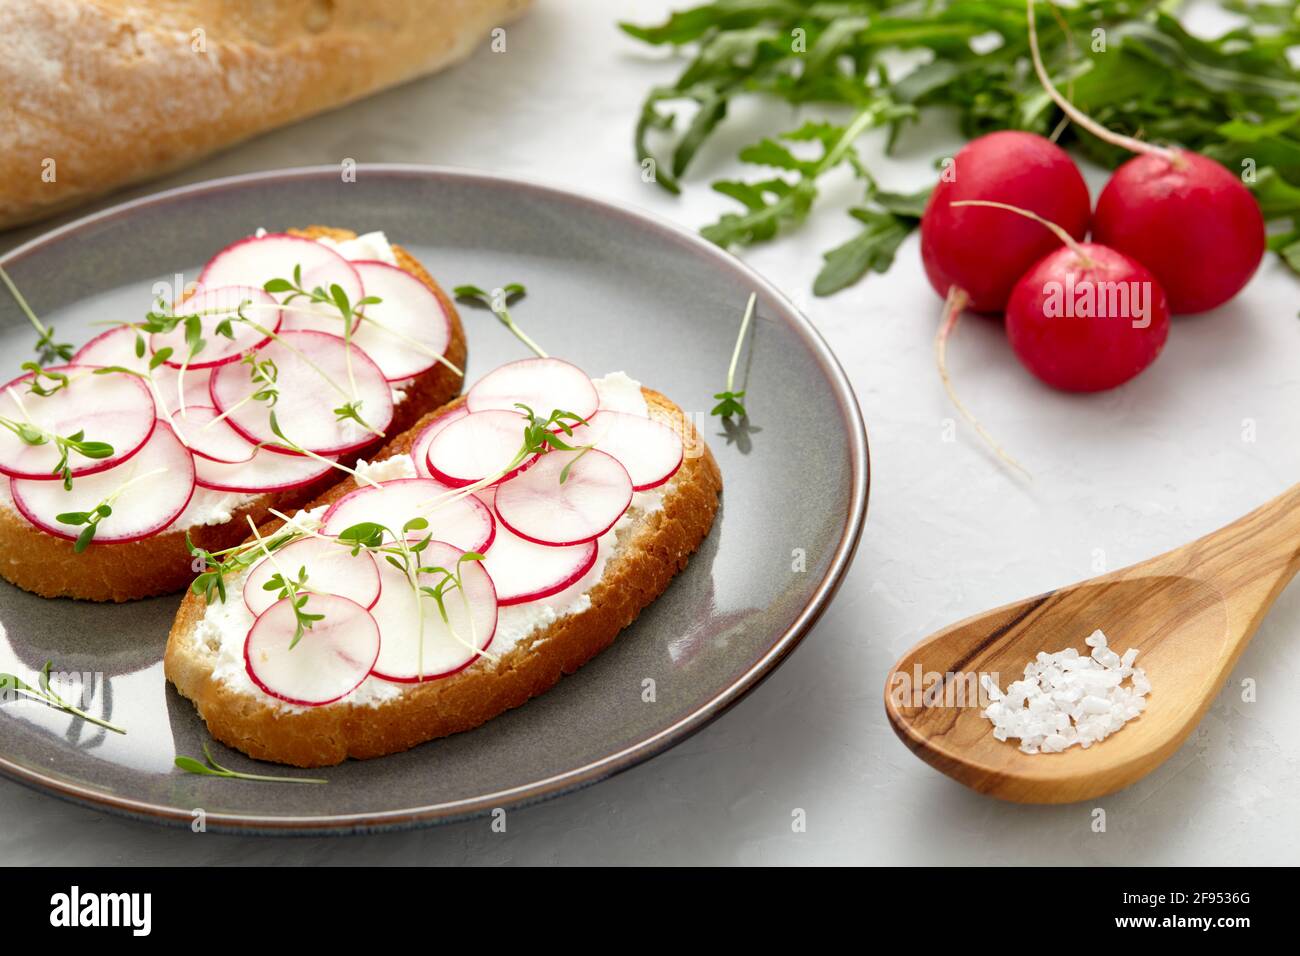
1067	698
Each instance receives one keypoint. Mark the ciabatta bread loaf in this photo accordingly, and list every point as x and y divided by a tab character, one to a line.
654	545
162	564
96	94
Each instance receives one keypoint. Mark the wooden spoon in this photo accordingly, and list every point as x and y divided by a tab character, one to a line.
1190	614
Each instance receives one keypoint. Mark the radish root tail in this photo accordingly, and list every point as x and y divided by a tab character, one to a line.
953	307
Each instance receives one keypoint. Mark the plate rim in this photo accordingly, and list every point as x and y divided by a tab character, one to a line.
600	768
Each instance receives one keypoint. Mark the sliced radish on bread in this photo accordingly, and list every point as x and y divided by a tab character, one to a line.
454	517
218	311
331	569
417	644
303	314
258	259
524	571
420	447
330	660
543	384
116	409
264	472
315	374
407	329
477	446
116	347
649	450
209	436
145	493
537	506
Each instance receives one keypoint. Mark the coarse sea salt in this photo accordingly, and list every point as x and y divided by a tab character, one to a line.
1067	698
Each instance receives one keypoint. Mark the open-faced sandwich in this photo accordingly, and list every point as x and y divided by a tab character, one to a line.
295	355
500	543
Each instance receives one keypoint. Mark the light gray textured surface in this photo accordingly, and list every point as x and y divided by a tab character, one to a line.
1117	477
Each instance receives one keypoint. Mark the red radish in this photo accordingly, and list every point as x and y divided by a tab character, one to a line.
265	471
543	384
256	260
524	571
331	569
649	450
146	493
117	347
316	373
478	446
330	660
982	252
1190	220
1185	217
214	307
302	314
538	506
114	408
420	447
407	329
455	517
208	436
418	645
1087	318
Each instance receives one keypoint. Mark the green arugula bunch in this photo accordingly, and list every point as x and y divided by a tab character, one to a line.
1130	64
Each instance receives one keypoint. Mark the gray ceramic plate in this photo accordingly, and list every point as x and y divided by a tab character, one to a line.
609	288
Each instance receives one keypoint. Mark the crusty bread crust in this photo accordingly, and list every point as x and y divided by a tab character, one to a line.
161	564
657	547
89	84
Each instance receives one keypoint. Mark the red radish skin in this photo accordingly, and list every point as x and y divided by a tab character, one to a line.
219	305
1057	334
208	437
523	571
1190	221
649	450
476	447
258	259
330	660
407	328
264	472
543	384
304	315
982	251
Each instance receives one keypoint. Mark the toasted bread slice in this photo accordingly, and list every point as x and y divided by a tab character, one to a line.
648	553
161	564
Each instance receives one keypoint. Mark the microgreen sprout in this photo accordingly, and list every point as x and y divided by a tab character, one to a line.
47	349
88	521
731	399
12	684
65	444
210	768
498	301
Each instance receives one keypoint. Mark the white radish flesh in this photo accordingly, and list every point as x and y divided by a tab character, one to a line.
314	377
417	644
265	471
331	569
146	493
407	329
330	660
117	347
523	571
304	314
256	260
208	436
543	384
480	445
537	506
216	307
649	450
455	517
115	408
420	447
